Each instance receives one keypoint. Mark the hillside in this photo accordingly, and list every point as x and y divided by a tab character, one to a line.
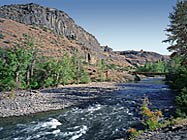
54	28
56	33
142	57
56	20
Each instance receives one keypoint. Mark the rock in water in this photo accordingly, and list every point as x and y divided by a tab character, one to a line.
136	78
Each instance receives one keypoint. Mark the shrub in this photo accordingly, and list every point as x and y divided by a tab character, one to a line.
181	101
151	118
49	82
14	35
1	20
7	83
11	95
160	66
1	36
133	132
7	41
177	80
85	78
25	35
34	84
44	28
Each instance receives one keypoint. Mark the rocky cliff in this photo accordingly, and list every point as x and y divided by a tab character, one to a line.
56	20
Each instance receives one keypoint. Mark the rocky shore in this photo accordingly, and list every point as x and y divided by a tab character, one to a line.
21	103
175	132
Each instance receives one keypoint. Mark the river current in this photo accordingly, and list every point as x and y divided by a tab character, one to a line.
105	118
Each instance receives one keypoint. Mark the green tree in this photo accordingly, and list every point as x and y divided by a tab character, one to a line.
31	46
44	73
181	100
177	37
177	31
67	72
102	69
80	75
7	81
160	66
21	59
13	67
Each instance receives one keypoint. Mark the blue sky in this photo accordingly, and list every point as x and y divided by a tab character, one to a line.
120	24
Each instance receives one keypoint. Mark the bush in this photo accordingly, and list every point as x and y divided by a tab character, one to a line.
181	101
151	118
85	78
133	132
34	84
1	36
7	83
11	95
160	66
49	82
45	29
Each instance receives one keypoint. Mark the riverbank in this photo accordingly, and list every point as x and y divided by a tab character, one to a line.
21	103
176	131
108	115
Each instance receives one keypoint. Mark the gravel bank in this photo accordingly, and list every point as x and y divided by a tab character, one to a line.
25	103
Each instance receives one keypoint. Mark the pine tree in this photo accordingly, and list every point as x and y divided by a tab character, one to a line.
177	31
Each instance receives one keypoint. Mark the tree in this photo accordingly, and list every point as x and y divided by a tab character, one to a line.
177	31
177	37
159	66
45	73
102	68
31	47
21	59
13	67
67	72
7	81
79	71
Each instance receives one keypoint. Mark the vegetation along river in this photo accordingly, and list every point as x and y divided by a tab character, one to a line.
106	118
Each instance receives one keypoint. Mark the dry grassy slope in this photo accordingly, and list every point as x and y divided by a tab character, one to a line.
49	43
53	45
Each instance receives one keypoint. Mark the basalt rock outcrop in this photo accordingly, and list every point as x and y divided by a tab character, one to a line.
51	18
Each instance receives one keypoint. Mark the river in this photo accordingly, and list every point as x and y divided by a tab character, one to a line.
105	118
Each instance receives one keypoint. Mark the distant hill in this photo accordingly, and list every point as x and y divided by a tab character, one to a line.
141	57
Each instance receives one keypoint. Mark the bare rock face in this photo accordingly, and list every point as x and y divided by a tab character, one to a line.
56	20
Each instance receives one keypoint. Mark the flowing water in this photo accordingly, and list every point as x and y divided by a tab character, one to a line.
106	118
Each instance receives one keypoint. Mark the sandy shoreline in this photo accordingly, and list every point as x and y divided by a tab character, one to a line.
22	103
